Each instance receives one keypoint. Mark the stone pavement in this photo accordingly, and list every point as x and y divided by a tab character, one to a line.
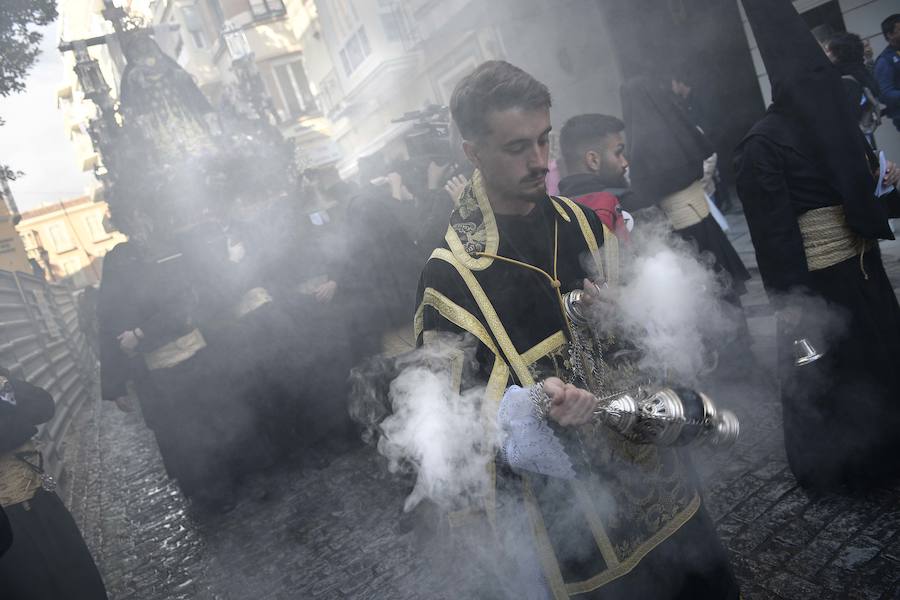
334	533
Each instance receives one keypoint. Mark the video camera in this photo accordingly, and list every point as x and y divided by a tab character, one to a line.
430	137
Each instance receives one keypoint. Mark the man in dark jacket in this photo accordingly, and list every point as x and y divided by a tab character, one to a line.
887	68
593	152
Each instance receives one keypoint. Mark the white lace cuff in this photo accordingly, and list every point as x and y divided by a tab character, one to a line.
529	443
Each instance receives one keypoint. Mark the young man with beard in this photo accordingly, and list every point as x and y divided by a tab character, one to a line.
623	521
593	152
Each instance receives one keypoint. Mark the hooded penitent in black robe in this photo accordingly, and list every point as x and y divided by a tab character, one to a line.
841	413
115	315
243	329
632	525
192	402
666	153
391	240
308	248
48	558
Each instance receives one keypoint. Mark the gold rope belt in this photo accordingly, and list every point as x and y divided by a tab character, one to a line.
175	352
18	481
687	207
252	300
828	240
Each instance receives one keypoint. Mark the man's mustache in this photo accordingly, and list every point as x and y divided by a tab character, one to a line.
535	175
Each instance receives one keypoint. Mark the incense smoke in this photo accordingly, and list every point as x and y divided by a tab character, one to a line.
669	304
438	431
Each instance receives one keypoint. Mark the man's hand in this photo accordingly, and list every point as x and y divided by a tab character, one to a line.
569	405
594	294
325	292
455	186
129	340
891	175
398	190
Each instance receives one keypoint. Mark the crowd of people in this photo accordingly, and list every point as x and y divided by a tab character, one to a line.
236	328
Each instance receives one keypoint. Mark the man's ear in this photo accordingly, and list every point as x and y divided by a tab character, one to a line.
471	150
592	161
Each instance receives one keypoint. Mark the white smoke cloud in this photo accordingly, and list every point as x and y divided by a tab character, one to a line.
669	305
438	431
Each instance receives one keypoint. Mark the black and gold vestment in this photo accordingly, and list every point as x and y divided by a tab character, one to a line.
631	525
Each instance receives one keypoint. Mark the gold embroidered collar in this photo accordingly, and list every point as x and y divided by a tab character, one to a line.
473	232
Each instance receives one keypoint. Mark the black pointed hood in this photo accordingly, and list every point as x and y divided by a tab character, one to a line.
807	93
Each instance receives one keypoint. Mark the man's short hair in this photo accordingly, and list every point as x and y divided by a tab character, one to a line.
583	133
887	26
494	85
847	48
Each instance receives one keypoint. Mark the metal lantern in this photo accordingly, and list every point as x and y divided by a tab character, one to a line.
805	353
669	418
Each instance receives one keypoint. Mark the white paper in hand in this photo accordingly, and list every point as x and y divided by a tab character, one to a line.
717	214
882	189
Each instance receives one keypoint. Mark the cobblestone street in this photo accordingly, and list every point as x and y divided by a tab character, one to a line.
334	533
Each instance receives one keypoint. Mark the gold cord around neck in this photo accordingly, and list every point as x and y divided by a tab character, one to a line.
553	279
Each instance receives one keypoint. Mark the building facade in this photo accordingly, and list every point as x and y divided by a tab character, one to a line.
68	240
81	20
372	61
340	73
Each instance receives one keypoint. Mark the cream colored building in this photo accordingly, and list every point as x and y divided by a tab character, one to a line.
81	20
212	34
68	239
374	60
204	36
12	252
